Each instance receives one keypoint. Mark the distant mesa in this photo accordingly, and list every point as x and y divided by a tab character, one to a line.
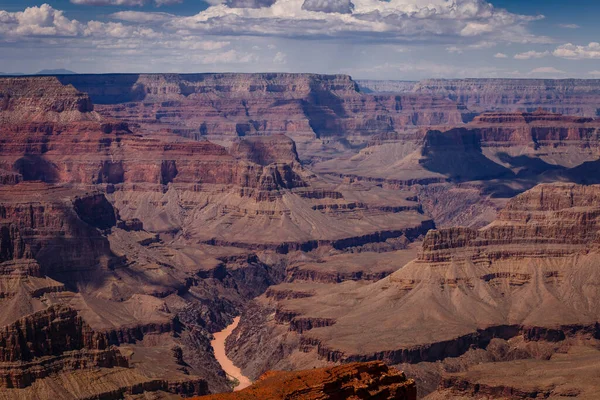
56	72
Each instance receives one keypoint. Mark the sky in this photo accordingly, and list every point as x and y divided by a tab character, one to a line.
368	39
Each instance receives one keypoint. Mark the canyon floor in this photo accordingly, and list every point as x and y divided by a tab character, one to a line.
167	236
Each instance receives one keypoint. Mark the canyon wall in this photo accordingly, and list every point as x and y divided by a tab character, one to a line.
564	96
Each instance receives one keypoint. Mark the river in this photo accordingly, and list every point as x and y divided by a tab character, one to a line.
218	345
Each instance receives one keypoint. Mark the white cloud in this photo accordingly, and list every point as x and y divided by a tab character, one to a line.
141	17
547	70
280	58
531	54
594	73
569	26
473	24
454	50
130	3
574	52
468	21
500	55
38	21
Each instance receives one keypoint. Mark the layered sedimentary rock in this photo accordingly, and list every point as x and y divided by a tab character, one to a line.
571	374
530	274
537	143
142	237
169	183
352	381
56	227
128	237
565	96
42	99
322	113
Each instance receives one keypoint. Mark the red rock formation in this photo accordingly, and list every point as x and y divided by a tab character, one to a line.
353	381
530	275
225	106
565	96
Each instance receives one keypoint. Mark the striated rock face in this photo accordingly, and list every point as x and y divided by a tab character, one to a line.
530	276
123	225
41	99
549	219
315	110
56	227
565	96
536	128
352	381
265	151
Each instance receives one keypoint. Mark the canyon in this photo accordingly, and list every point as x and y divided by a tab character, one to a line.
445	228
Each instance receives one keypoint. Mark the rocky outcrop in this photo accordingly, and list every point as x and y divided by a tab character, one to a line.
352	381
314	110
565	96
529	276
57	227
41	99
549	219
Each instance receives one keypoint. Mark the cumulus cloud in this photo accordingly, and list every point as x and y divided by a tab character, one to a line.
129	3
531	54
500	55
574	52
225	31
145	37
329	6
468	21
38	21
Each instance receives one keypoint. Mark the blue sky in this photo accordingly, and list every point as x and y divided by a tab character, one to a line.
375	39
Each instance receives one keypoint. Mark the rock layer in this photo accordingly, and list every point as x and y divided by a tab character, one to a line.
351	381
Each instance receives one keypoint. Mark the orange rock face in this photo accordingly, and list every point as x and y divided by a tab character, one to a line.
372	380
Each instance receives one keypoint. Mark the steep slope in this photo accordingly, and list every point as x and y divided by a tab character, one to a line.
145	240
353	381
530	274
324	114
565	96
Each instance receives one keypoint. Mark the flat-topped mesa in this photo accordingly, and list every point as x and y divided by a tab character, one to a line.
539	116
42	99
226	106
266	150
45	140
553	219
566	96
537	128
111	89
373	380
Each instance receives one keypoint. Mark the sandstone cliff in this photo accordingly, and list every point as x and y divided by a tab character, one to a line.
322	113
565	96
529	275
353	381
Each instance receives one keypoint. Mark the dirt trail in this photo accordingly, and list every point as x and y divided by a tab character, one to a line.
218	345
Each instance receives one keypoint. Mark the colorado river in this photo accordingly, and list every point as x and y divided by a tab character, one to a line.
218	345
